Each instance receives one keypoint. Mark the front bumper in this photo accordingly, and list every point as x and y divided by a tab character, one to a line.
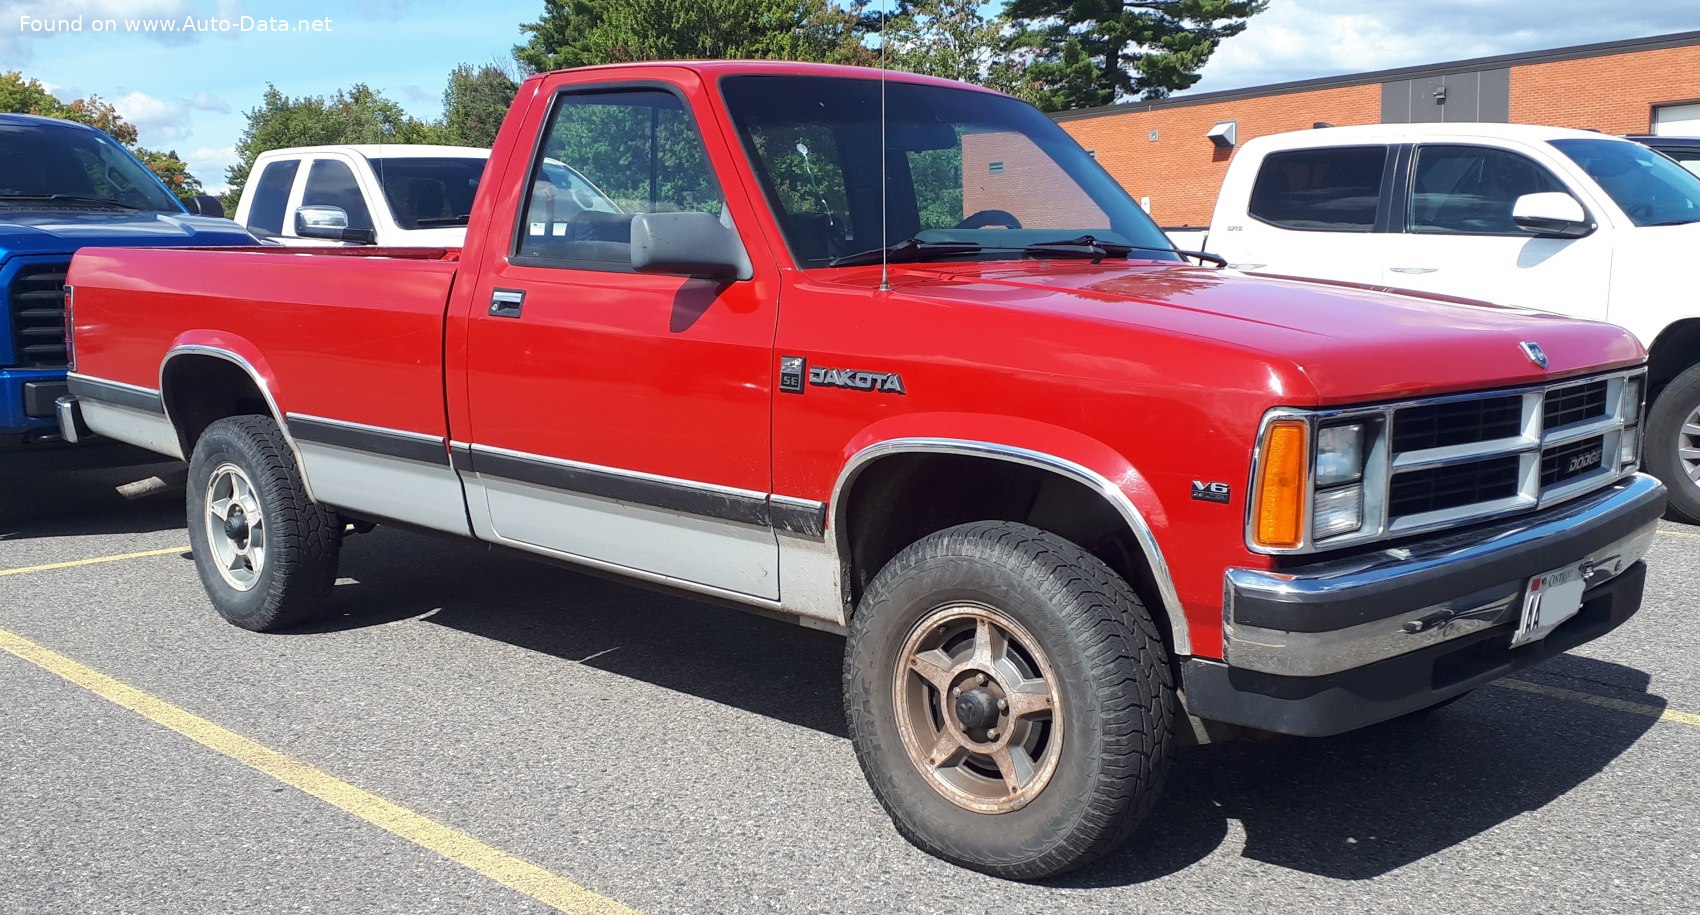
26	399
1344	643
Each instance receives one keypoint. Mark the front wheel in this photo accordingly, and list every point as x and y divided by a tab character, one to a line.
266	553
1672	448
1009	699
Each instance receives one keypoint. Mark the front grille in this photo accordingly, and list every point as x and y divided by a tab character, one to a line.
1574	404
36	302
1457	422
1439	463
1567	462
1442	488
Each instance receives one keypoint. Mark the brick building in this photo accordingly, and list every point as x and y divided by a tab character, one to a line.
1162	151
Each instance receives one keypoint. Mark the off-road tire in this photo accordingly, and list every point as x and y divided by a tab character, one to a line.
293	583
1676	404
1112	670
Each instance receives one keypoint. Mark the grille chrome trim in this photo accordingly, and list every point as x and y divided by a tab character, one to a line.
1534	443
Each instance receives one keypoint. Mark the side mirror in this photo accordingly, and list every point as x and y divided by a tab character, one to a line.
331	223
204	205
695	244
1553	214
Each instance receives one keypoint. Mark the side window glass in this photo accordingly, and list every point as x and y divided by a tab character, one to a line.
330	183
1471	190
271	195
605	157
1320	190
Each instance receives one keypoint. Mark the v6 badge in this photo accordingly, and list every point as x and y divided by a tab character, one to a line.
1211	492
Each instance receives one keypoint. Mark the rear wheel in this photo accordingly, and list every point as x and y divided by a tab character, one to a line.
1672	448
1009	699
266	553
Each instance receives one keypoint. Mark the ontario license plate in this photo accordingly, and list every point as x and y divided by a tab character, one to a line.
1548	601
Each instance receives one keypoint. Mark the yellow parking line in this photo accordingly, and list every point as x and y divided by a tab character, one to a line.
545	886
1683	534
1621	705
89	562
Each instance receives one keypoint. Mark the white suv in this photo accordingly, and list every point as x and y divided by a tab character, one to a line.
1566	221
394	195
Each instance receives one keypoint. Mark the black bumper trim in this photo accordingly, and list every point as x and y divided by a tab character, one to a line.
1332	704
39	397
116	394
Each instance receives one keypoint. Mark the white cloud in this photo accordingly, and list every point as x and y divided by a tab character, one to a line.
158	121
1301	39
208	164
206	101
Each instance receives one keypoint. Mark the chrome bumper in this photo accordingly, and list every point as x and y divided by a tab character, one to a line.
1335	616
70	415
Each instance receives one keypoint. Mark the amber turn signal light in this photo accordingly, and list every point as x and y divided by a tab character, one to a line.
1278	520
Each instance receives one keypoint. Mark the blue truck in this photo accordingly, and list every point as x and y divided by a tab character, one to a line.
65	186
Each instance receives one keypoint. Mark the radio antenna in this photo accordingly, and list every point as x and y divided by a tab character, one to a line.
885	191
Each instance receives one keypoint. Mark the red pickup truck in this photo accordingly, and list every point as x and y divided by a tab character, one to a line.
897	358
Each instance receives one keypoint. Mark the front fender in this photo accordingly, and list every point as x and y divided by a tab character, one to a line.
1037	444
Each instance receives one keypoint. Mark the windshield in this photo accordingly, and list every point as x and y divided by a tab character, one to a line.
40	162
961	166
1649	188
429	193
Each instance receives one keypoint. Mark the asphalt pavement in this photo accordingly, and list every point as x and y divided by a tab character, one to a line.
642	751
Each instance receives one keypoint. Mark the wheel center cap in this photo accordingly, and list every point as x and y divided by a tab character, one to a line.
236	524
976	708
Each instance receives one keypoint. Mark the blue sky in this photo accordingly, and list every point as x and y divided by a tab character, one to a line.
188	92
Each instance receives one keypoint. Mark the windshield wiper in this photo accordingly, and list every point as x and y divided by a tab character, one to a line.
70	198
910	249
432	222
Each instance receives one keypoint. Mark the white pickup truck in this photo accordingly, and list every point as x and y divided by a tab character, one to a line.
391	195
1558	220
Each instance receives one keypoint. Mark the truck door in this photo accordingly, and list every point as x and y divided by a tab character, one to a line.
613	417
1459	238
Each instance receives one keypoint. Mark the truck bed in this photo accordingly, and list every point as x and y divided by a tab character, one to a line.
386	306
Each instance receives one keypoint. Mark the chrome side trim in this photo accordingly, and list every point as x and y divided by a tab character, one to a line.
966	448
259	383
618	471
376	440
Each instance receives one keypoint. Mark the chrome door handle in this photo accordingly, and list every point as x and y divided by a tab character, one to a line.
506	303
1414	269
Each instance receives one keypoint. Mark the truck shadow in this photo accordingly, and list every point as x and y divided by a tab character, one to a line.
1350	807
59	492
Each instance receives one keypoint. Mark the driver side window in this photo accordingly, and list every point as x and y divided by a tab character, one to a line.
606	156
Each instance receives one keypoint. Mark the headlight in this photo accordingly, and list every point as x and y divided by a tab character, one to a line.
1338	511
1339	455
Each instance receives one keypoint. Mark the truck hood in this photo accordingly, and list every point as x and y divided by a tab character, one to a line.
1346	343
63	231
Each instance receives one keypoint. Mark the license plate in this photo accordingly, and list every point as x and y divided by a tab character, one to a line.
1549	600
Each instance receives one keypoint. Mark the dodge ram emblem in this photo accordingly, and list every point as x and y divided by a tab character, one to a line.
1535	353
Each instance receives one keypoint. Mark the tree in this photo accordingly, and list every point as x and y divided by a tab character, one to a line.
359	114
1135	48
576	33
474	105
954	39
171	170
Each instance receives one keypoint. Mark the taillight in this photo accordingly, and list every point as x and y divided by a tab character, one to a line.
70	322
